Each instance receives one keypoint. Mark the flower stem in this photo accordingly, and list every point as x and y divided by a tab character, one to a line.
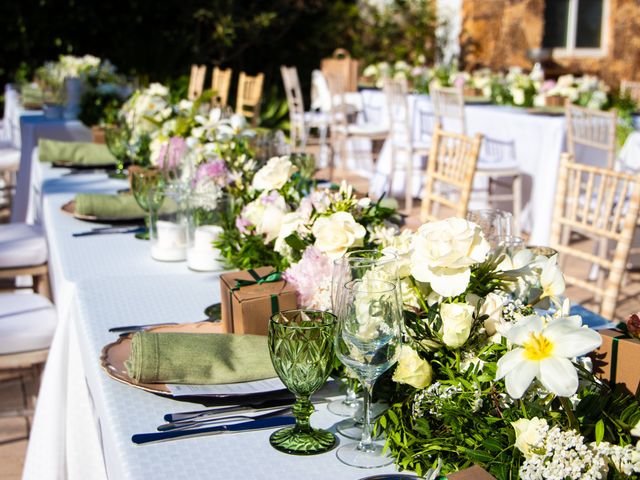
573	421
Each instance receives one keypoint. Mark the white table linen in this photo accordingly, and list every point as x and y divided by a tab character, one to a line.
84	420
33	128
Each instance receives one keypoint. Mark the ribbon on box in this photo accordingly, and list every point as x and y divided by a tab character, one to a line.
622	327
274	276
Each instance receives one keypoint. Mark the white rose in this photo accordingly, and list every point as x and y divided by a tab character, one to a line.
443	253
457	319
492	306
518	96
291	223
266	215
528	434
337	233
274	174
412	369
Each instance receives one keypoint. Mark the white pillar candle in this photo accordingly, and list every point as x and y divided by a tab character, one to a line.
202	256
171	242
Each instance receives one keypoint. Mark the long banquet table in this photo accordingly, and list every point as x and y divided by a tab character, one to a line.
84	420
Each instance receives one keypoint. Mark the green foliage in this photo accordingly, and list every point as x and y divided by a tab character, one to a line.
99	107
625	107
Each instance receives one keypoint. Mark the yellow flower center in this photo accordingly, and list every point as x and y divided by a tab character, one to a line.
537	347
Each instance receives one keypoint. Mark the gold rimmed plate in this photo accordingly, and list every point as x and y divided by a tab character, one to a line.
114	356
70	209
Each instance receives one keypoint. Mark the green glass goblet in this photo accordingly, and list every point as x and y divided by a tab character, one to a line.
143	181
301	345
116	140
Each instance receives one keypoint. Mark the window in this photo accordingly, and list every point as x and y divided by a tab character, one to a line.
576	27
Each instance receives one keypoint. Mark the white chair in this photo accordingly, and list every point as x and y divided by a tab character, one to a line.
401	137
342	130
497	158
302	122
27	324
23	251
588	131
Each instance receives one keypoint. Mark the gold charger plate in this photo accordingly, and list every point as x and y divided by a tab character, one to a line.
114	355
551	111
70	209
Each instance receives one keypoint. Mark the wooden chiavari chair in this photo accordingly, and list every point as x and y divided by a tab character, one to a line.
220	84
593	129
450	170
249	96
196	81
603	205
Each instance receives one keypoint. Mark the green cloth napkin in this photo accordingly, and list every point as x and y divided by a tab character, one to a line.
100	205
76	153
201	359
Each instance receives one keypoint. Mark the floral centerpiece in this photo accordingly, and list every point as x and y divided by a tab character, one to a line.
488	377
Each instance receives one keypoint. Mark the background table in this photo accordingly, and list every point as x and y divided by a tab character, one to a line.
84	420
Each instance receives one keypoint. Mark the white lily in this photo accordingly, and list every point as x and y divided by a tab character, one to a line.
551	279
544	352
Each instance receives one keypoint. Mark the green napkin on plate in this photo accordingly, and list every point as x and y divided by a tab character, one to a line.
75	153
199	359
116	207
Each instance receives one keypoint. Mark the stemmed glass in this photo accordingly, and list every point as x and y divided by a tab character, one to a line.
116	140
301	348
491	221
143	181
356	265
368	340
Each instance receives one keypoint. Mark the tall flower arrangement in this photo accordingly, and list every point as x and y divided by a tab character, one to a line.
490	375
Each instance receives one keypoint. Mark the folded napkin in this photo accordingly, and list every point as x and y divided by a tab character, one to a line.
76	153
204	359
117	207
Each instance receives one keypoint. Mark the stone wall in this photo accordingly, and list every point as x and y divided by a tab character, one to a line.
498	33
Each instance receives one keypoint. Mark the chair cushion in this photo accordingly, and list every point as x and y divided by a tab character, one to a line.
22	245
27	322
9	158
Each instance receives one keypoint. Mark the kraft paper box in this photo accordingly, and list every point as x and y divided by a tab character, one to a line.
618	358
250	297
471	473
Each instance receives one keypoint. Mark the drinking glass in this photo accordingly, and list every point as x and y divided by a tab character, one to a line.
143	180
301	347
116	140
492	221
509	244
355	265
368	340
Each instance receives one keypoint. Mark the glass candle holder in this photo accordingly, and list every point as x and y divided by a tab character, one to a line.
204	228
168	225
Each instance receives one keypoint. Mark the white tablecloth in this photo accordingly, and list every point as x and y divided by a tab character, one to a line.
538	142
84	420
33	128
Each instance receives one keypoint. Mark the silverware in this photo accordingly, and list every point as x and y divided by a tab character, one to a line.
109	231
250	407
251	425
199	421
136	328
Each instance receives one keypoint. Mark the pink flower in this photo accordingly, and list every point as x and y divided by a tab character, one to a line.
242	224
171	153
459	82
311	277
215	170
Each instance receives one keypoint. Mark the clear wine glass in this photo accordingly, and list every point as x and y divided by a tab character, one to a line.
354	265
368	340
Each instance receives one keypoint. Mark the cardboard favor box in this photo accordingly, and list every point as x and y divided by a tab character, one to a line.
618	358
250	297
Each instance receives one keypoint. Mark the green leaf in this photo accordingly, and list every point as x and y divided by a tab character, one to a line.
599	431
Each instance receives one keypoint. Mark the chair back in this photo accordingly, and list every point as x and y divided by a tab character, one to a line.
339	107
196	81
592	129
249	96
220	84
448	107
450	169
320	95
399	114
603	205
296	105
342	65
632	89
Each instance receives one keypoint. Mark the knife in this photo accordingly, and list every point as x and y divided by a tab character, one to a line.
106	232
218	411
135	328
265	423
243	415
